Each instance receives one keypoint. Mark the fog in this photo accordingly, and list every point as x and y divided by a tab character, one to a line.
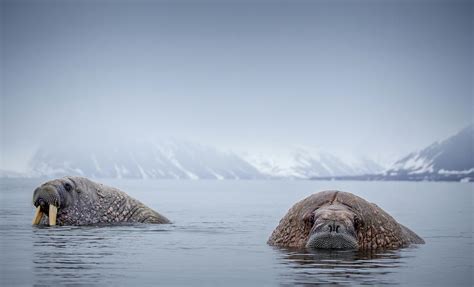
374	79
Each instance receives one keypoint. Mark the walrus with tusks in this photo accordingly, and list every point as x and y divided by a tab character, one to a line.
340	220
80	201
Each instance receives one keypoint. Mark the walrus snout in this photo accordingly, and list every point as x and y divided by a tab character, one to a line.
42	204
46	200
331	240
332	234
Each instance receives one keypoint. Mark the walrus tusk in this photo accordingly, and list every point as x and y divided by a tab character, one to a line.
38	215
53	211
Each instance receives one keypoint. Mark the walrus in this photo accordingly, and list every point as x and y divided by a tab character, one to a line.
340	220
80	201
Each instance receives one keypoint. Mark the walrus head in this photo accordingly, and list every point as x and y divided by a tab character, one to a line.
333	227
59	195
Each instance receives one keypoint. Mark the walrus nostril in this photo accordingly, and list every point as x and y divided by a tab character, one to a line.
333	227
38	202
41	202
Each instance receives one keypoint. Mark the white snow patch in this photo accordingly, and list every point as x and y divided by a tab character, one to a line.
282	163
142	171
169	154
180	167
453	172
304	162
327	168
125	170
174	175
118	171
96	163
79	171
45	169
233	173
416	165
218	176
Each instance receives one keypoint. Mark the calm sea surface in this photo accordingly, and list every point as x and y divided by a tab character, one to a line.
219	233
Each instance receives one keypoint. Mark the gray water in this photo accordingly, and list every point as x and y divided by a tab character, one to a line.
219	233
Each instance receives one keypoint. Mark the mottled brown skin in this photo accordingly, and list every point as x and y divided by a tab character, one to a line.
81	201
372	227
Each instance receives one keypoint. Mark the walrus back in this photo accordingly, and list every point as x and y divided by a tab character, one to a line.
412	236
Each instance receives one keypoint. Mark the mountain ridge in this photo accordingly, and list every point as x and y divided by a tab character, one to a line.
176	159
451	159
447	160
145	160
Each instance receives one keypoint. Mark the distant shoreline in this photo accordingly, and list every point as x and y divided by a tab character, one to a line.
403	177
378	178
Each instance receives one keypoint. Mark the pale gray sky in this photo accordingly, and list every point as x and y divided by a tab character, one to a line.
376	78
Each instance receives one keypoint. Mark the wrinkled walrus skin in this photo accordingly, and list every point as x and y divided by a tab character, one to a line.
372	227
80	201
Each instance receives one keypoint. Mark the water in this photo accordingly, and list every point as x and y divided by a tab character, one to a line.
219	233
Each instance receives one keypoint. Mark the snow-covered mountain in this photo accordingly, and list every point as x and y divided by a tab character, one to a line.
12	174
451	159
187	160
305	163
166	159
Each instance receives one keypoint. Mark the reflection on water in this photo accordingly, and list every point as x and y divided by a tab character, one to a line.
60	254
337	267
85	255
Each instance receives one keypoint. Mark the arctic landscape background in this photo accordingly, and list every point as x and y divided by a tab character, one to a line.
237	90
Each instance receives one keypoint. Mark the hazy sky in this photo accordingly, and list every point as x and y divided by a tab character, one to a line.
376	78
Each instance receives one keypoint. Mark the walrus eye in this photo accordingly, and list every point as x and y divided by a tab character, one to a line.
309	218
67	186
357	222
